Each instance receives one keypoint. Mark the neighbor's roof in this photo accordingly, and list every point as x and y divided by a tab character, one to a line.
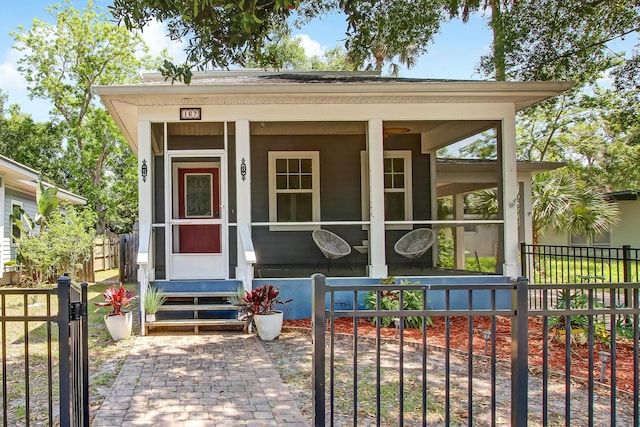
24	179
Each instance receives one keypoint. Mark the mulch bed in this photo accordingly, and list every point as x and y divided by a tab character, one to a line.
458	340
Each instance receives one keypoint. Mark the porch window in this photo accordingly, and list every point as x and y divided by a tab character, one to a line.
16	214
398	201
294	188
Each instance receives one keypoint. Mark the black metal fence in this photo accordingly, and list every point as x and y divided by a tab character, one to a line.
33	391
507	365
579	264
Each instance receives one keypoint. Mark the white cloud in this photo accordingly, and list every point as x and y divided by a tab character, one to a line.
310	46
11	79
155	36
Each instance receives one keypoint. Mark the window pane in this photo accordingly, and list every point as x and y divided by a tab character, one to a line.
306	182
294	182
281	182
296	207
398	180
306	166
578	239
394	206
398	165
303	207
284	207
602	239
388	180
281	165
294	165
388	165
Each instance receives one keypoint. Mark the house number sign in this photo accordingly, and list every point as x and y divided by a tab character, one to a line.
190	114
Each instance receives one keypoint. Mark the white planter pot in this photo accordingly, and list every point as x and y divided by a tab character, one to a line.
150	318
119	326
269	326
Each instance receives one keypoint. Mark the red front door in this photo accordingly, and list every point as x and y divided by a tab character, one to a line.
199	199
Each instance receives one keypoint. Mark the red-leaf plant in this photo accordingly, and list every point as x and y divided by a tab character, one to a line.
118	299
262	300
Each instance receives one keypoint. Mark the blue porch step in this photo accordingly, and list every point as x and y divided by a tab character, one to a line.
197	304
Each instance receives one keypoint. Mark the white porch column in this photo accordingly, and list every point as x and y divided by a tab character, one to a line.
433	185
509	195
458	233
146	179
244	270
377	258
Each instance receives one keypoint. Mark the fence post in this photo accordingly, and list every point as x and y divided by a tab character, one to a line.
64	336
519	354
318	315
523	259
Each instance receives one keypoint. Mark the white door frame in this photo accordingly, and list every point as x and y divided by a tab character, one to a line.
196	266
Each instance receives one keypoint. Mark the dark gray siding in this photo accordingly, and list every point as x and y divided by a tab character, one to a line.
340	196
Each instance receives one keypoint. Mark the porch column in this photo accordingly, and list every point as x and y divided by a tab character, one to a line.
146	178
458	233
377	258
244	269
509	180
526	211
433	185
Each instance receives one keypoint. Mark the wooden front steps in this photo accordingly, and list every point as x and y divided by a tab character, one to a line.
197	306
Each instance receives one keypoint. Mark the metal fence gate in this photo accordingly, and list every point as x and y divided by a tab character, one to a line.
32	322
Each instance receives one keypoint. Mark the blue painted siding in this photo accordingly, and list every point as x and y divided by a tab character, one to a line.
300	290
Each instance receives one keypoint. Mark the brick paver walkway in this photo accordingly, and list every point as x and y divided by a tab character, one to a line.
222	379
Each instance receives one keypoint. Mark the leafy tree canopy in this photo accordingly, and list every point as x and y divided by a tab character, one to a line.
222	33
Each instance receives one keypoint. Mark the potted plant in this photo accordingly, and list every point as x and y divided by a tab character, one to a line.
119	322
153	299
258	307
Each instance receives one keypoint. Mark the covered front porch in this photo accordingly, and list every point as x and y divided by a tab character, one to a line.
238	169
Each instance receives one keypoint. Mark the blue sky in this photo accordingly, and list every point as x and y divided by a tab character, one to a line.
454	54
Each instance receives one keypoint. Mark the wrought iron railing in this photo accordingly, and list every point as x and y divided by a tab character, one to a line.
33	390
510	366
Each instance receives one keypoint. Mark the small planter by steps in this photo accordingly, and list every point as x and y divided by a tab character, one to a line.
119	326
258	306
269	325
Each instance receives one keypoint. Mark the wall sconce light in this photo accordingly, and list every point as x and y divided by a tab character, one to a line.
243	169
144	170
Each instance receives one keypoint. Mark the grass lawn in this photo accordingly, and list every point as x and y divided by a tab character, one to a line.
27	354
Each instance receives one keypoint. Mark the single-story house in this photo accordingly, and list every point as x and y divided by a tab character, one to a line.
237	169
18	188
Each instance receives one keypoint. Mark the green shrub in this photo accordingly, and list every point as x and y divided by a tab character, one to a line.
390	300
64	245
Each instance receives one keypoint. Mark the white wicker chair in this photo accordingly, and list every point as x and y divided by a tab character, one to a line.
415	243
330	244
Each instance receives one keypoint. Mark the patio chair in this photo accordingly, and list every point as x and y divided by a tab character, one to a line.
330	244
415	243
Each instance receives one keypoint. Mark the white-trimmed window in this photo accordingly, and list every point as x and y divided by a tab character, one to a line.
16	233
294	188
398	194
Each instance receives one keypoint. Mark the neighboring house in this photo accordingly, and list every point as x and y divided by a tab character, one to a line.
238	168
625	232
18	188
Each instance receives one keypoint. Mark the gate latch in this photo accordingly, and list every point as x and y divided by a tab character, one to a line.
76	310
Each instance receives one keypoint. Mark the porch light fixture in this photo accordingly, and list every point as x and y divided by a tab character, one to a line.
144	170
243	169
394	131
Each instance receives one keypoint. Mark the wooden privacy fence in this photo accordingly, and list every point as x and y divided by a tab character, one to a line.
106	252
128	257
